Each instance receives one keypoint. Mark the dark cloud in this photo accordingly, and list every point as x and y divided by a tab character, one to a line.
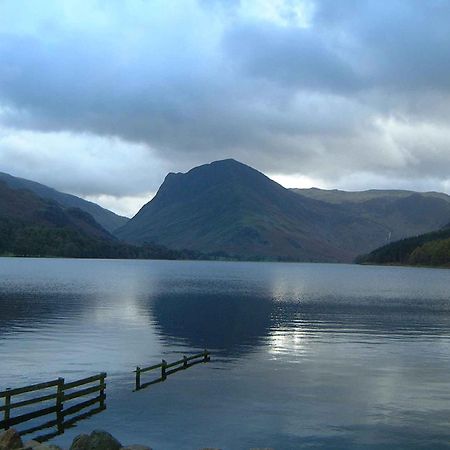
401	44
293	57
358	88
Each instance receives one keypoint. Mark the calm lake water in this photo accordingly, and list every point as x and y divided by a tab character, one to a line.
303	355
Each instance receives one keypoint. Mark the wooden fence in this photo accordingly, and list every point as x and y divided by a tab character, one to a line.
55	395
63	399
168	369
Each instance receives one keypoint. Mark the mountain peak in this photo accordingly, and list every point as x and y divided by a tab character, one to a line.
214	166
229	164
227	172
226	161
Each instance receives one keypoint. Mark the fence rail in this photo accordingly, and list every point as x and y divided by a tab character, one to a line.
58	398
181	364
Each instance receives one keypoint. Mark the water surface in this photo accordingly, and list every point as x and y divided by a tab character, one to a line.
303	355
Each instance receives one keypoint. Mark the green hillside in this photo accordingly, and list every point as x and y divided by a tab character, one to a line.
33	226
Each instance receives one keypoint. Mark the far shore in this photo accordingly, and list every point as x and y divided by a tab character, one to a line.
8	255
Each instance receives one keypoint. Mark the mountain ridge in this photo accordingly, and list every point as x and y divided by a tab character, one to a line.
340	196
403	213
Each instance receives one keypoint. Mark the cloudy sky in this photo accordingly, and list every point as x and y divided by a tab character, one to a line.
102	98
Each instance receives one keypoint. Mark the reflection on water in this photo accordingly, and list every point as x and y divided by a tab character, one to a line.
40	436
224	322
304	355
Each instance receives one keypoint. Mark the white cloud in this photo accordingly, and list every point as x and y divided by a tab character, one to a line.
81	163
126	206
298	181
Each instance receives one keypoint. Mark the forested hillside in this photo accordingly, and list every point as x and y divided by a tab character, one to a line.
33	226
430	249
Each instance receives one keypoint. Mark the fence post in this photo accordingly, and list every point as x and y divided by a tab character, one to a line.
7	408
185	362
60	405
102	390
138	378
163	370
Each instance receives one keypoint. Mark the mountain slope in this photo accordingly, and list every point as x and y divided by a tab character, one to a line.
107	219
430	249
33	226
401	213
24	206
229	208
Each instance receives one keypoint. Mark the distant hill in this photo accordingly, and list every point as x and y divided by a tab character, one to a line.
33	226
400	213
430	249
227	208
107	219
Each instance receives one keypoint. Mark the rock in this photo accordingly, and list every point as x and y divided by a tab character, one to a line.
10	440
97	440
136	447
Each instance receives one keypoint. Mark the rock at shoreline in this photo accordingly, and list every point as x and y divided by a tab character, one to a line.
10	440
97	440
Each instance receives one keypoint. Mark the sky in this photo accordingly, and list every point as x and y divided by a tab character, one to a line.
102	98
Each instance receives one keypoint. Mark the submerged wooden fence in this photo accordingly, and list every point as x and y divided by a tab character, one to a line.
168	369
55	396
63	399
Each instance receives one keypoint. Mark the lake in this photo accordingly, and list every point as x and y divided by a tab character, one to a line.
303	355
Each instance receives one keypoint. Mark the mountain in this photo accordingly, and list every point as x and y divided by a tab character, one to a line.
223	209
230	209
429	249
107	219
401	213
33	226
